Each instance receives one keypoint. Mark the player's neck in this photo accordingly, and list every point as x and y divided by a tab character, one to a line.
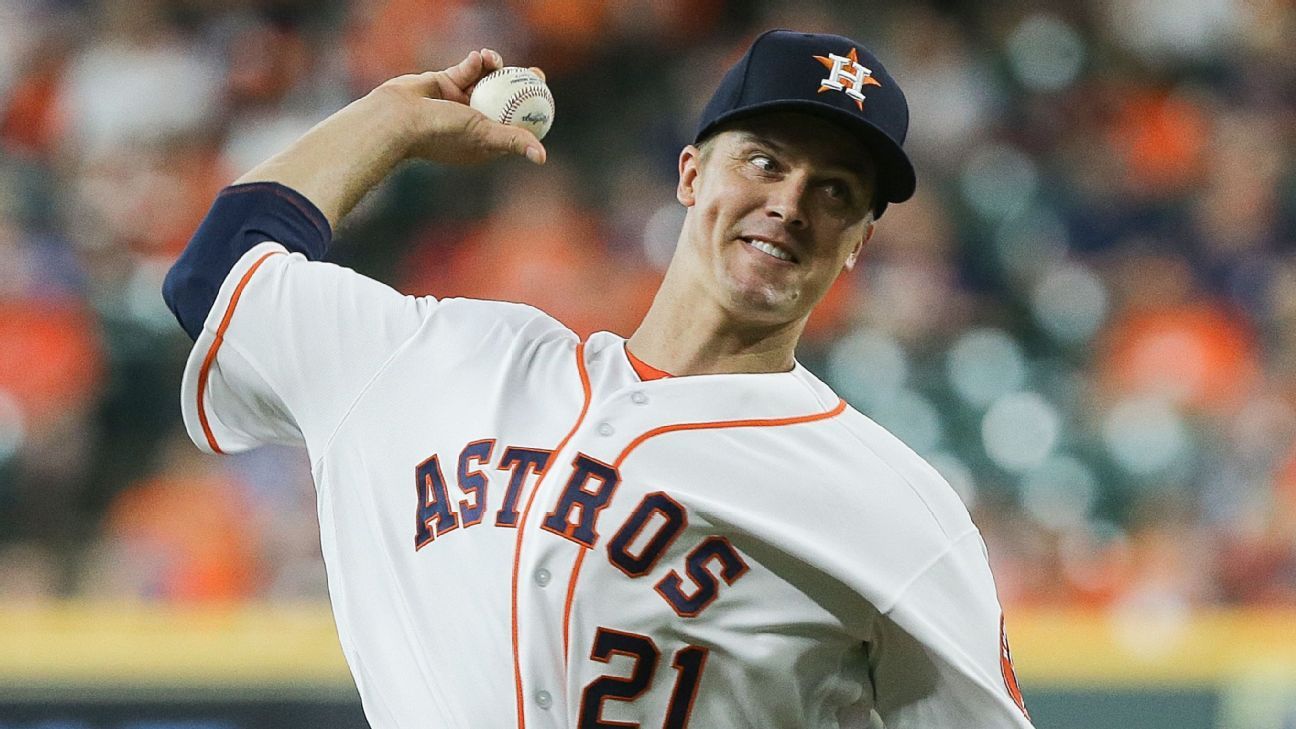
686	337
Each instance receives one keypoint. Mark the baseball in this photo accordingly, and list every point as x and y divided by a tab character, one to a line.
517	96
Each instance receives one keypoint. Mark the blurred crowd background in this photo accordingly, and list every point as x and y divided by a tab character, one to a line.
1086	318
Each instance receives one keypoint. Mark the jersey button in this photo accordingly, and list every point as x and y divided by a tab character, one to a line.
543	699
638	398
606	429
542	577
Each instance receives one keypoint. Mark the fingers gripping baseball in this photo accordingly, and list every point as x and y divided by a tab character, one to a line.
502	139
446	130
464	74
455	83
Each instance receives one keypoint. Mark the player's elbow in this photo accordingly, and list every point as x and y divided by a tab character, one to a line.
188	295
242	217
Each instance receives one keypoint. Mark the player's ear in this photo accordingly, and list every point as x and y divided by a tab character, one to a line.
685	191
859	245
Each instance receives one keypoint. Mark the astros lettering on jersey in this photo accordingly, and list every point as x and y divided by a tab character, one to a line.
526	529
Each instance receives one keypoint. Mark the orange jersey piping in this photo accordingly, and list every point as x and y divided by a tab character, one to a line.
521	529
571	594
216	343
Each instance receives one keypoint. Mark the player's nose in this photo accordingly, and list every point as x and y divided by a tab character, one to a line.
786	200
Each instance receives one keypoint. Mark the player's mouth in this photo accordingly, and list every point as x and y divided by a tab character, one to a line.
770	248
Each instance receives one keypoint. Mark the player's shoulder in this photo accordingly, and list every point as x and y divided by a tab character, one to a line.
882	454
486	318
508	315
483	323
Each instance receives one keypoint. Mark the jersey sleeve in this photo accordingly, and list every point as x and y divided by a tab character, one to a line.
917	574
939	656
287	347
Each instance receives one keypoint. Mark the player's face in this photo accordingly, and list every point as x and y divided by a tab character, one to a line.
779	206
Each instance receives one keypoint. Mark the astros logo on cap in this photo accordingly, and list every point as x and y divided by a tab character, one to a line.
845	74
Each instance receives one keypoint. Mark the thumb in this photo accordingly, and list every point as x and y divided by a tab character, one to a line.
509	139
526	144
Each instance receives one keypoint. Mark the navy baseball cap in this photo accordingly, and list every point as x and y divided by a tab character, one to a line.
832	77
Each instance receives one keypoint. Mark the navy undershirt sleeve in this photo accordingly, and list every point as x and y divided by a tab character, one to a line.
242	217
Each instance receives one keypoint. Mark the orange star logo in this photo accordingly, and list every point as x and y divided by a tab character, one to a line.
845	74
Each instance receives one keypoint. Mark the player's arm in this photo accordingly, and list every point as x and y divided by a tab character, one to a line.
417	116
939	656
284	343
297	197
917	588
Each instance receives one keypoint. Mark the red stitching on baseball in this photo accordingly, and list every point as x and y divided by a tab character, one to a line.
516	100
496	72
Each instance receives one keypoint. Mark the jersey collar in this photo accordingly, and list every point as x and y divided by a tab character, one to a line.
646	372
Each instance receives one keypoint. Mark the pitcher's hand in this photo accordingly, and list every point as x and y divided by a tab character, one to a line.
441	127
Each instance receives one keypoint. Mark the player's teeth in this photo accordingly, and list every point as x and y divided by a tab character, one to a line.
769	248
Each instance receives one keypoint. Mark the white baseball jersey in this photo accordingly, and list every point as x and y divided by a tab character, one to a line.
519	532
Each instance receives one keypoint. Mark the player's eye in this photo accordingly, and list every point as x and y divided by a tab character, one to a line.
837	191
763	162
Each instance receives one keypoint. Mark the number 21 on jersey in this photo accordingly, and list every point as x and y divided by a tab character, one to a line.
687	663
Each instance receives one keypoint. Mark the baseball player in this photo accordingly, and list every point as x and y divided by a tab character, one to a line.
683	529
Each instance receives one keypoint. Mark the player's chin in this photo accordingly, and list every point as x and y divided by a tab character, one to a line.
759	299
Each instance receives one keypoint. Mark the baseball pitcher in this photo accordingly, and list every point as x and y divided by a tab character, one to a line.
682	529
